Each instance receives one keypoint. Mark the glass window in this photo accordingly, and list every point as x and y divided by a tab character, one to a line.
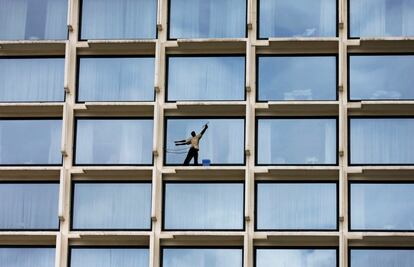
29	206
109	257
30	142
300	18
207	19
114	141
33	19
382	257
381	18
116	79
27	256
211	257
285	141
121	19
112	206
221	144
385	206
204	206
212	78
269	257
383	77
297	78
301	206
379	141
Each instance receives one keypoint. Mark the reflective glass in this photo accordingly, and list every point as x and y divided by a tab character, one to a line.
266	257
109	257
27	257
398	257
211	257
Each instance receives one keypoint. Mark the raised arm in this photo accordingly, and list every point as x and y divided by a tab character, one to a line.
204	130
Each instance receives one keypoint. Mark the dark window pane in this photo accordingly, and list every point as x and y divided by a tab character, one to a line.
382	257
296	141
204	206
222	143
373	18
116	79
211	257
31	79
33	19
207	19
382	206
120	19
297	78
114	141
17	145
212	78
112	206
381	77
290	206
29	206
382	141
109	257
27	257
296	257
300	18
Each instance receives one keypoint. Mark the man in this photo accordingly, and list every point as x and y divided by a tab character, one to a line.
194	141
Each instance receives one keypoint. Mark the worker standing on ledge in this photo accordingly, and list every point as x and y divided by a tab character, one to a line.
194	141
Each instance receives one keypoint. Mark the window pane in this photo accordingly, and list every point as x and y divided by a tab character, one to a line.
207	19
211	257
301	206
382	141
297	78
114	141
382	257
381	77
380	18
382	206
109	257
296	257
296	141
16	149
33	19
300	18
29	206
212	78
112	206
203	206
27	257
116	79
31	79
222	143
121	19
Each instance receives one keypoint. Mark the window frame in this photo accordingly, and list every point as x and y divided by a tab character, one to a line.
77	118
257	118
167	65
256	184
164	185
297	55
370	247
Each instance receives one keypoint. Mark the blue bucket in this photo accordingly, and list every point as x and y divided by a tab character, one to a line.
206	162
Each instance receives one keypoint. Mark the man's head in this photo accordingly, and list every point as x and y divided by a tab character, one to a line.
193	133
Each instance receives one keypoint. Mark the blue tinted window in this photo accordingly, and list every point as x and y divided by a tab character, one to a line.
109	257
289	206
382	257
211	257
203	206
30	142
112	206
299	18
27	257
31	79
116	79
373	18
296	141
33	19
114	141
382	206
382	141
212	78
120	19
381	77
207	19
297	78
266	257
